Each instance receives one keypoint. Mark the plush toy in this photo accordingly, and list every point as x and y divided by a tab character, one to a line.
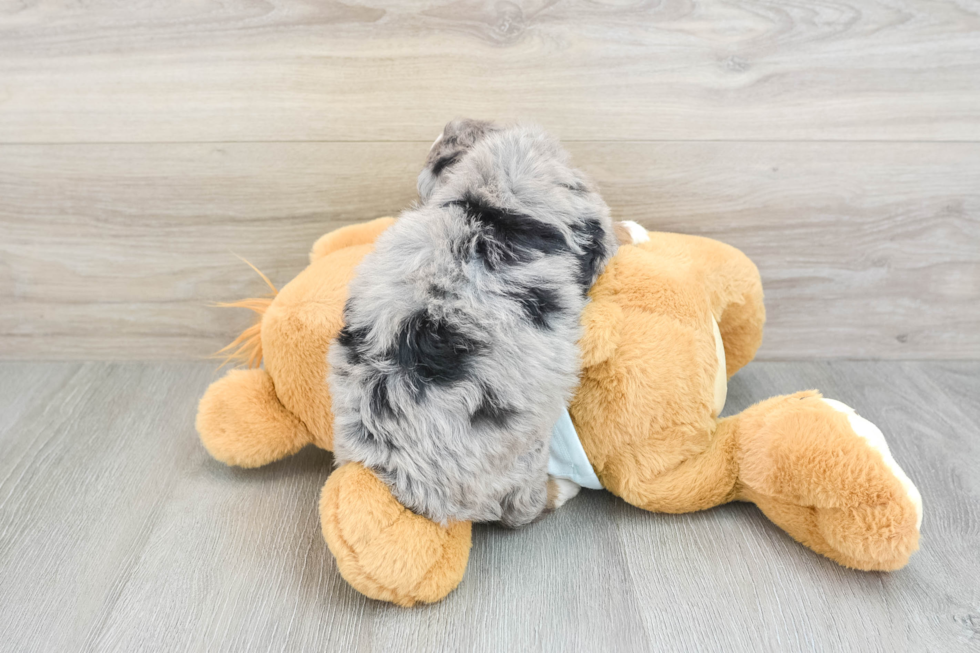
671	319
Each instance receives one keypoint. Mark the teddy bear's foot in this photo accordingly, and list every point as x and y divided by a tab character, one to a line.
384	550
825	475
241	421
867	538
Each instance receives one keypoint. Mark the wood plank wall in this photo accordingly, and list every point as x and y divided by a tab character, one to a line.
142	145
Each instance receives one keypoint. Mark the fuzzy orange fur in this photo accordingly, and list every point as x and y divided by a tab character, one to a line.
385	550
643	410
243	423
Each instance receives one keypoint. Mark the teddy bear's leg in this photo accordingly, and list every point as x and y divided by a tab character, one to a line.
704	479
825	475
355	234
384	550
241	421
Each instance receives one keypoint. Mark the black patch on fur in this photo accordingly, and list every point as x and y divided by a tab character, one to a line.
538	303
364	436
352	340
492	411
590	238
438	292
361	434
380	405
444	162
508	237
433	351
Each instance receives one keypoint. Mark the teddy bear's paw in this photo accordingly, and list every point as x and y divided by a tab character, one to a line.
826	476
384	550
242	422
871	434
873	535
870	538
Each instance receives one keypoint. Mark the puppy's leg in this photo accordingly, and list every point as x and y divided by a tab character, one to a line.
525	505
533	503
560	490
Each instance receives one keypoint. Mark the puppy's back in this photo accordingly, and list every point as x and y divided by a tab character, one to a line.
459	351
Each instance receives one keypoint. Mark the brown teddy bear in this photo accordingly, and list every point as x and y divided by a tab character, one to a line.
671	319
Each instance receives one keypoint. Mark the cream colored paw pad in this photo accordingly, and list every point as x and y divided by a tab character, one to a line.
721	374
874	437
566	490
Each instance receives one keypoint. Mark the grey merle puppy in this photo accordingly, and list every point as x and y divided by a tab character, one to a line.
459	351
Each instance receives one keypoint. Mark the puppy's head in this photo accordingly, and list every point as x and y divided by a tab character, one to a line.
455	140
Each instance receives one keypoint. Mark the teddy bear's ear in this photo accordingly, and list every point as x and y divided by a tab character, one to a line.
355	234
602	324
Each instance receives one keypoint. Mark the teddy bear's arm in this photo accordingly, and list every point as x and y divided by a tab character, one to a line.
733	285
384	550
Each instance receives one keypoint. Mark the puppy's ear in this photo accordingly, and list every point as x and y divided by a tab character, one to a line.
457	138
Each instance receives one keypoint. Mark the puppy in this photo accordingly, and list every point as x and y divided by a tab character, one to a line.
459	350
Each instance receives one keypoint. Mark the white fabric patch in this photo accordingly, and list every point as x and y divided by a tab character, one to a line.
567	459
874	437
637	233
721	374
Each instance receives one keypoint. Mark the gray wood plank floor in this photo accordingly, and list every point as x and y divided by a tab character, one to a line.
118	533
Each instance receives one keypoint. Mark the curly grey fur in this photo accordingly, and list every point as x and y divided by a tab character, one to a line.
459	350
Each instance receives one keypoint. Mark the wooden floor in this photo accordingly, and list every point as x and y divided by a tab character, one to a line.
119	533
143	144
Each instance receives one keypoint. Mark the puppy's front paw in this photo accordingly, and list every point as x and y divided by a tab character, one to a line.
560	490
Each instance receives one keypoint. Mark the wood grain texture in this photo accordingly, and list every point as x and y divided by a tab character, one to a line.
385	70
117	251
118	533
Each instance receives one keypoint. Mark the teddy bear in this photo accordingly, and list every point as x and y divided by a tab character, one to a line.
670	320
